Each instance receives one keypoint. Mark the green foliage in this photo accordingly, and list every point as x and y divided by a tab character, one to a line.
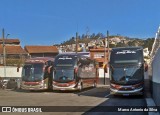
83	39
148	43
120	44
112	45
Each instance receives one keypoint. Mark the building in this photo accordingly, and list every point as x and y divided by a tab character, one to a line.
99	55
13	51
41	51
145	52
12	42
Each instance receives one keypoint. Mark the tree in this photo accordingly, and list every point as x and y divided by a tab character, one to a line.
93	35
120	44
112	45
83	36
148	43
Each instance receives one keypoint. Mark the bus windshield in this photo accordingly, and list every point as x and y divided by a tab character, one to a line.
64	75
128	74
32	72
126	56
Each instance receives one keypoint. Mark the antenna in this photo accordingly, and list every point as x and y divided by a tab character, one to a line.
87	32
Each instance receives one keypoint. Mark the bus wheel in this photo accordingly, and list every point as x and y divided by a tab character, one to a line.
94	84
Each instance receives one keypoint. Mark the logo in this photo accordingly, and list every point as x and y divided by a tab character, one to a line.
6	109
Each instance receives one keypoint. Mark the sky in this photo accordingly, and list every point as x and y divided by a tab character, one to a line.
48	22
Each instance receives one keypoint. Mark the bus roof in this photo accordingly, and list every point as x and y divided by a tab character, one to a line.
73	54
70	54
127	48
40	59
87	54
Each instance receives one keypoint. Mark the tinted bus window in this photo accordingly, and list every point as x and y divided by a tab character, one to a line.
126	56
64	75
32	72
65	61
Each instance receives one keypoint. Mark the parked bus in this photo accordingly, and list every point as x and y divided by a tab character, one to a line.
74	72
37	74
127	71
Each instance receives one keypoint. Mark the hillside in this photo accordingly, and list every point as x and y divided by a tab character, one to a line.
114	40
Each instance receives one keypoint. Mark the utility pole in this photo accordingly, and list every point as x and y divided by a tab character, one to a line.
108	53
108	43
105	58
76	42
4	53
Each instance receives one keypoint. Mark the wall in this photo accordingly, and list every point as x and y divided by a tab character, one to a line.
11	71
101	76
156	78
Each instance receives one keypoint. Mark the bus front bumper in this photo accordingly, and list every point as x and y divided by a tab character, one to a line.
69	88
34	87
138	91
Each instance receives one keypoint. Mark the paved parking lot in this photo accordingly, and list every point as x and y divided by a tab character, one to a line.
79	102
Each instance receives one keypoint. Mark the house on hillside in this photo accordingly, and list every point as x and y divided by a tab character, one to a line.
41	51
145	52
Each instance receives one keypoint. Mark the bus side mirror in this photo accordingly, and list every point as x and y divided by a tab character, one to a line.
146	68
50	69
105	68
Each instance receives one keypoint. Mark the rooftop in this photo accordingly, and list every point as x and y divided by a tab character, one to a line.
13	50
41	49
10	41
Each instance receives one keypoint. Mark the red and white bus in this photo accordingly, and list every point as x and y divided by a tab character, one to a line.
74	72
37	74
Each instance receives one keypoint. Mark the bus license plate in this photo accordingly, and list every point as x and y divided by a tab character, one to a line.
125	94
